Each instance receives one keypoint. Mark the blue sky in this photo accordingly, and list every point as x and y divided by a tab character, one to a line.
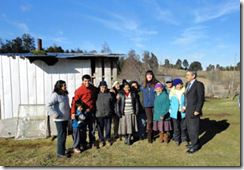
207	31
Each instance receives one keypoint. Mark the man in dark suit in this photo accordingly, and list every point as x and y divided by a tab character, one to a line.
194	100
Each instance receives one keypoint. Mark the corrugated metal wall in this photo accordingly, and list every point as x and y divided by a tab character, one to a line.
26	83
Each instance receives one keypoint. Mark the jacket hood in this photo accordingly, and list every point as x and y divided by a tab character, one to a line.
173	91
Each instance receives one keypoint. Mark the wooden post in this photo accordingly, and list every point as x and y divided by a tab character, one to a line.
98	71
115	70
107	71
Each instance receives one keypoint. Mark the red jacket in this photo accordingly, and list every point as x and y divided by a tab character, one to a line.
87	96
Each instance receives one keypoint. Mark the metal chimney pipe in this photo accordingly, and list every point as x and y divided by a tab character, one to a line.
39	44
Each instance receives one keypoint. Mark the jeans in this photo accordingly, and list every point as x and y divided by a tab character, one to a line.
61	138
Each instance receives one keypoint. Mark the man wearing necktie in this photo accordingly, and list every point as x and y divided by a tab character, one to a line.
194	100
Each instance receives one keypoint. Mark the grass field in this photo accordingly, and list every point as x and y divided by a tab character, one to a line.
219	134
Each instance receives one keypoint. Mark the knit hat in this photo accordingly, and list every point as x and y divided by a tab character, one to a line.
115	83
168	79
177	81
158	85
103	84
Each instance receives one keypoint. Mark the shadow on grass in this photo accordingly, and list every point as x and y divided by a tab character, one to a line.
211	128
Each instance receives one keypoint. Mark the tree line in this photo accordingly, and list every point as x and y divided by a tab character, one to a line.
26	43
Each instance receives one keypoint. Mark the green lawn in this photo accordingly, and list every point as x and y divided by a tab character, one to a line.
220	136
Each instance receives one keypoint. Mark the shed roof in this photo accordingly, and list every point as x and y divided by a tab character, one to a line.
52	58
65	55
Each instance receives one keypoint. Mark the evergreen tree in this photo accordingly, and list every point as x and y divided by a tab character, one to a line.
185	64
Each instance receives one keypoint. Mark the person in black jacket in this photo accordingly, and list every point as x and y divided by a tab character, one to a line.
115	118
104	112
193	103
127	109
141	117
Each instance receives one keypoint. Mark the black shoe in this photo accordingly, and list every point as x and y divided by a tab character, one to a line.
188	146
191	151
186	143
129	140
135	138
53	138
63	156
126	139
177	143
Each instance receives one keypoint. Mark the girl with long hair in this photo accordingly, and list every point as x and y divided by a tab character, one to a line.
147	87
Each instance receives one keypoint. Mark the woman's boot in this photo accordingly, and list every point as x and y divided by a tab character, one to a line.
166	137
126	139
129	140
149	136
161	137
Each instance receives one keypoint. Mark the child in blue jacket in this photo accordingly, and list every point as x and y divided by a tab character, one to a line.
77	124
176	103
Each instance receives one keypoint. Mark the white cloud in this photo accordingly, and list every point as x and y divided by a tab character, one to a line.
191	35
162	14
210	12
124	25
60	32
139	45
88	46
127	27
197	56
21	26
221	46
25	8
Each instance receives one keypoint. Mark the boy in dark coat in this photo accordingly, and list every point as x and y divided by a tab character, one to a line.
104	112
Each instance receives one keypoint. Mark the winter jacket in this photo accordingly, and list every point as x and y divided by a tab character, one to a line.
104	105
148	95
58	106
80	119
161	107
121	103
174	103
87	95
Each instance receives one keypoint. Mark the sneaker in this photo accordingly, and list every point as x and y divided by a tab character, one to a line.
63	156
101	144
108	143
77	150
94	146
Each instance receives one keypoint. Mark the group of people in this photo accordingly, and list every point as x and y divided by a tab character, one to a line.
172	110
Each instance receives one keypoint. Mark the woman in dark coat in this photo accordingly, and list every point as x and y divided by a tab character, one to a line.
127	109
141	117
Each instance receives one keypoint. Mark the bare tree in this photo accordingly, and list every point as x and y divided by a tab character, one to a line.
105	48
132	67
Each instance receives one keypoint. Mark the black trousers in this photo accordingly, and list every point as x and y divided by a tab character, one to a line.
116	126
192	125
90	122
101	124
61	138
180	129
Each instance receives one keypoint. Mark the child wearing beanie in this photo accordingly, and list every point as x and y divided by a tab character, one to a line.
178	118
161	118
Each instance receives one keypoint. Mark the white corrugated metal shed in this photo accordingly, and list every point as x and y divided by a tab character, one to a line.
29	79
